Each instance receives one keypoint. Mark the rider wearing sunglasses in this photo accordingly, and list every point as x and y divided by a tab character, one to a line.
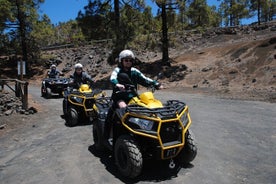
126	59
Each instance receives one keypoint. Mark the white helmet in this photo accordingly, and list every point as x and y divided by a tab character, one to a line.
53	66
78	65
126	54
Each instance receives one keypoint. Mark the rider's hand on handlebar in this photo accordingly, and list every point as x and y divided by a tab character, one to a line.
160	87
120	86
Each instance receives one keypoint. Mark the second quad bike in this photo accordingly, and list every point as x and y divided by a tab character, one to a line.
52	86
146	129
79	105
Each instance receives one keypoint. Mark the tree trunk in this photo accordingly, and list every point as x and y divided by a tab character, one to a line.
259	11
22	31
231	13
118	40
165	41
117	19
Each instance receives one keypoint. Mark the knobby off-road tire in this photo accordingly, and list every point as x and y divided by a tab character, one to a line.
60	94
64	108
189	151
72	118
48	93
97	137
42	93
128	157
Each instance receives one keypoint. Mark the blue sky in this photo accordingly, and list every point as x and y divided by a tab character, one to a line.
65	10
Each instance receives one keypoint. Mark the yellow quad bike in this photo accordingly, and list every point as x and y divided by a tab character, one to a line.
79	105
148	129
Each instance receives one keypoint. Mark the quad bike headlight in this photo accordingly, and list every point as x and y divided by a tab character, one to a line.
142	123
184	118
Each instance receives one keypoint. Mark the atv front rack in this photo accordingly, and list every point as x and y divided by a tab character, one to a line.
88	95
169	110
104	102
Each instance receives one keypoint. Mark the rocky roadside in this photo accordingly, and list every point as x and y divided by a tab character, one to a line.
11	110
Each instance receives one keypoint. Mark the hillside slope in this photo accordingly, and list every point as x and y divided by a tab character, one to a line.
236	62
241	69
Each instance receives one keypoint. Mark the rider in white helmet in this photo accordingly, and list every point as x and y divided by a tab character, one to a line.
53	72
126	59
80	77
120	100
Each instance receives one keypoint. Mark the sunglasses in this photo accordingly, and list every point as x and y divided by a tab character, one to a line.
127	60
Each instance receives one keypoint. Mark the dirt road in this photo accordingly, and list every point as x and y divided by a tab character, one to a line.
236	144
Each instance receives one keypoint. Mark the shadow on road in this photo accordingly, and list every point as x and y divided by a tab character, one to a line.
153	170
53	96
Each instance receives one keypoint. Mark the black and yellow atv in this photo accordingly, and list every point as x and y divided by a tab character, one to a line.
79	105
147	129
51	86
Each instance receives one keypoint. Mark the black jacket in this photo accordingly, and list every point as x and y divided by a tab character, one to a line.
83	78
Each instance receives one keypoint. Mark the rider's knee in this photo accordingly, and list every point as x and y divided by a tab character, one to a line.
122	104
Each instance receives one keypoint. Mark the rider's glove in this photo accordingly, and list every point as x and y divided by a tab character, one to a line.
120	86
158	86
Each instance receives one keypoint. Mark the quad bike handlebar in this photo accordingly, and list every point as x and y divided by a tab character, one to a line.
130	87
